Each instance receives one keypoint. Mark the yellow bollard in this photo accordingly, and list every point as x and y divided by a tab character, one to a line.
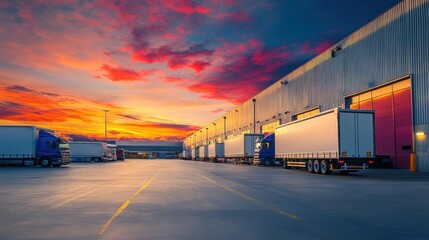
413	167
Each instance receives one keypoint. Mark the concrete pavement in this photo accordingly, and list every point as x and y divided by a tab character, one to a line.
174	199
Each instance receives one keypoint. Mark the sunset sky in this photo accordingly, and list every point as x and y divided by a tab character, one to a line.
162	68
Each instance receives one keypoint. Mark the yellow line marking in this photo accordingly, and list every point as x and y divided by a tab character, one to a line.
256	201
125	205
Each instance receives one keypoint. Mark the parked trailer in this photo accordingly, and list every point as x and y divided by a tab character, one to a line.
240	149
340	139
186	154
216	152
31	145
90	152
203	153
195	153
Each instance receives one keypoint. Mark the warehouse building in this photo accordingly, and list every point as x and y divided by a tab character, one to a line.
150	149
384	66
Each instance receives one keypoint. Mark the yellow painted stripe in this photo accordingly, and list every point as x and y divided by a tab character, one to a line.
249	198
125	205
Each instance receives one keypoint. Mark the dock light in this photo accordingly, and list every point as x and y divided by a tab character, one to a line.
368	154
420	134
344	154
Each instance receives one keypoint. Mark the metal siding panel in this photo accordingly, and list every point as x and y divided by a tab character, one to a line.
419	64
375	54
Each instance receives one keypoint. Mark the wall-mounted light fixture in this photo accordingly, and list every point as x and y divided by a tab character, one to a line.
287	112
336	50
285	82
274	116
257	122
420	134
236	110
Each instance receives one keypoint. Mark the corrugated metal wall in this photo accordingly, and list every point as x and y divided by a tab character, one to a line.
394	45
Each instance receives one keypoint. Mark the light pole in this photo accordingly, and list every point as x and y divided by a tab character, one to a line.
105	124
254	115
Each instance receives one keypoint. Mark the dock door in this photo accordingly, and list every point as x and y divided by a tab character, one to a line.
393	119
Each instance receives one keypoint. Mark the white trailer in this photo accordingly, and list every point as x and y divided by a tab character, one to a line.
90	152
186	154
216	152
31	145
241	149
203	153
335	139
195	153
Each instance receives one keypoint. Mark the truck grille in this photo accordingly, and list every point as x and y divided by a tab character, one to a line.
65	154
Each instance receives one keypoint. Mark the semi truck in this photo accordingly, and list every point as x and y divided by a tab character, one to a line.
265	151
216	152
112	148
120	154
32	145
90	152
203	153
240	149
337	139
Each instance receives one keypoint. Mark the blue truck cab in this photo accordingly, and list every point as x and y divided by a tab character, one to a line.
52	150
265	151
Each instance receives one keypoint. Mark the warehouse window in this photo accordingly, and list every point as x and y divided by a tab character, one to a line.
245	131
306	114
269	128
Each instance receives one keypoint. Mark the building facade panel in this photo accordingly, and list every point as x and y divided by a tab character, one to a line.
393	46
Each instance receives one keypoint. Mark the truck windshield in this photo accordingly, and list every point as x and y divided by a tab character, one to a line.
63	146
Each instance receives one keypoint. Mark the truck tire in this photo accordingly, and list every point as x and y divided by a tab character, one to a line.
267	162
325	167
45	162
310	166
316	166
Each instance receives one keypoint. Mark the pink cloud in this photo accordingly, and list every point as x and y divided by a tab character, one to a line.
185	6
322	47
120	74
236	17
191	57
219	110
198	66
241	70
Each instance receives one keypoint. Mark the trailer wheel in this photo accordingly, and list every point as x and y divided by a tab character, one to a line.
316	166
45	162
267	162
325	169
310	167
